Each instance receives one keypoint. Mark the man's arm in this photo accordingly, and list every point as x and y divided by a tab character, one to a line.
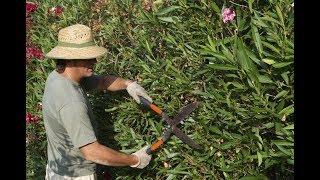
113	83
101	154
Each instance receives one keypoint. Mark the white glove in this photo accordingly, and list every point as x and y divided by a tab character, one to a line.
143	158
134	89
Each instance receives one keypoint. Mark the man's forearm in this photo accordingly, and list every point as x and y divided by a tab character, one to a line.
113	83
106	156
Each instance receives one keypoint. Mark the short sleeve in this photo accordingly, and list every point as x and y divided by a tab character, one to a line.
76	121
90	83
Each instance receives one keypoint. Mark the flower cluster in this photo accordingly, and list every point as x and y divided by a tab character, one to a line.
56	11
228	15
32	118
34	52
30	7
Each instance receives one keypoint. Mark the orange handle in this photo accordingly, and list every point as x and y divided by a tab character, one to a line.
156	109
156	145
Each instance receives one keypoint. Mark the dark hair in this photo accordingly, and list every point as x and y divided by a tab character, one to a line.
60	64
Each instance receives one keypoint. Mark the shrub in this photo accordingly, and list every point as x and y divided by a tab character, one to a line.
239	67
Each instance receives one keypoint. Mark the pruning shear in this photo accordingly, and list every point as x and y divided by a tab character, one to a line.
184	112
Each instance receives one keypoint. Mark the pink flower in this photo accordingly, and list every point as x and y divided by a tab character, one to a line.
56	11
30	7
28	118
31	118
33	52
228	15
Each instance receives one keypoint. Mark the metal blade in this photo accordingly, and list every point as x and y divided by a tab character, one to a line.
166	118
184	138
166	134
185	111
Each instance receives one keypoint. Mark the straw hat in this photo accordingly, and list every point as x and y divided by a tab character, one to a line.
76	42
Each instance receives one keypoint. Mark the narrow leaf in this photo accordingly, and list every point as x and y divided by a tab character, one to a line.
167	10
280	94
264	79
280	65
271	47
279	13
250	4
256	38
268	61
166	19
259	158
223	67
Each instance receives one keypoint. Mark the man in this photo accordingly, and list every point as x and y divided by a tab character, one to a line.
73	149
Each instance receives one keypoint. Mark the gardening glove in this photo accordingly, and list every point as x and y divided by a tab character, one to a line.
135	90
143	158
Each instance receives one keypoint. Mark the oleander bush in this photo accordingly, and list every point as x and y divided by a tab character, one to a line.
234	57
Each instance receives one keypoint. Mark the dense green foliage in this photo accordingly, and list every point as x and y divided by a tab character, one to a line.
181	51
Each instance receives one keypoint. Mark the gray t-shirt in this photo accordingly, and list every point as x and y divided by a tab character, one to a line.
69	124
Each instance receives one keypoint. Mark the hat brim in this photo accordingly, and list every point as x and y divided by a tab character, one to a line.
90	52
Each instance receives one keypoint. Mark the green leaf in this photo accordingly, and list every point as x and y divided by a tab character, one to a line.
259	23
226	113
290	161
285	77
250	5
264	79
280	94
227	145
227	52
279	13
269	125
223	66
285	151
171	176
215	7
252	56
268	61
259	137
271	47
270	19
256	38
215	129
287	111
111	109
243	57
282	143
259	158
280	65
166	19
218	56
236	84
148	48
171	155
212	44
167	10
289	127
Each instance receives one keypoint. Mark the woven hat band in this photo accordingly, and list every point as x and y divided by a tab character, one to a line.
74	45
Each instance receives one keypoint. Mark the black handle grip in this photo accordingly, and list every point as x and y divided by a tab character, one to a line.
148	151
144	101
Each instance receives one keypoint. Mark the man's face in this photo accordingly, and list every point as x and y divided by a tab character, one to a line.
85	67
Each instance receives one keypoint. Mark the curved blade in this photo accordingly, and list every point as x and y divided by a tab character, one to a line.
184	138
185	111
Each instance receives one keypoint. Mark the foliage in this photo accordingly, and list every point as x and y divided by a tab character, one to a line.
181	51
